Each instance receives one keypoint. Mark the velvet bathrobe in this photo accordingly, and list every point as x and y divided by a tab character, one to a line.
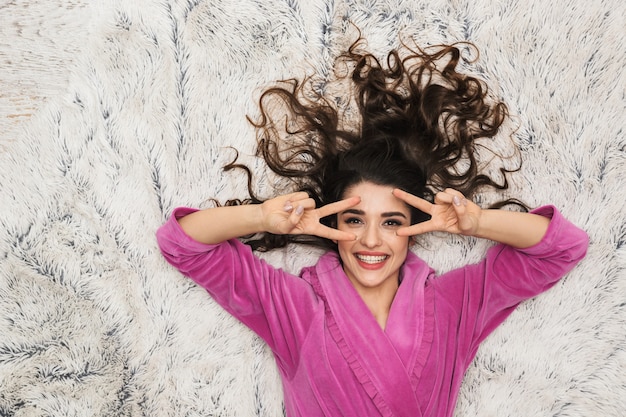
334	358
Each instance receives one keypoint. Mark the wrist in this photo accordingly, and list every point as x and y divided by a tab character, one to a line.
257	218
485	224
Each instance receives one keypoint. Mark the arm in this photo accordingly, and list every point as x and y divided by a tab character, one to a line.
216	225
482	295
520	230
453	213
244	285
537	250
274	304
289	214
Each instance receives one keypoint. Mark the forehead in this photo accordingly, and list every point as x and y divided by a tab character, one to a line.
376	198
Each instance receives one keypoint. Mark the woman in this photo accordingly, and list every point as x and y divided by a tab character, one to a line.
370	330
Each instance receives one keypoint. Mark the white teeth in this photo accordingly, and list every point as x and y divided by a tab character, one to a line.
371	259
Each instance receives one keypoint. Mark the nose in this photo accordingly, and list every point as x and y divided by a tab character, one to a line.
371	237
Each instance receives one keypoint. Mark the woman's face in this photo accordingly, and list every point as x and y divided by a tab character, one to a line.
372	262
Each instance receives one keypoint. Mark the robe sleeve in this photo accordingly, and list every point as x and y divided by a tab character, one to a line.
271	302
482	296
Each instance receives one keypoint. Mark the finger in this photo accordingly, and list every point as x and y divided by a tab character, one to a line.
460	208
298	195
291	199
334	234
450	196
443	197
452	191
307	203
458	202
412	200
455	197
416	229
338	206
296	215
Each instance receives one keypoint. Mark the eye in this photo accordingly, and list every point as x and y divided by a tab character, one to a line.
352	220
393	223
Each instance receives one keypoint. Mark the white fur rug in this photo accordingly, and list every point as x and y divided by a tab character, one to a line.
115	112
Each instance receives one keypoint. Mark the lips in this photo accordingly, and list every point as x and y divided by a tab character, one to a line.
369	261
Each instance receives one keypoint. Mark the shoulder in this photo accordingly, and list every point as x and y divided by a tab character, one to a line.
328	263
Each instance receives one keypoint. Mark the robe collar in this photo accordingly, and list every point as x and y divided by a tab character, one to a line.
388	363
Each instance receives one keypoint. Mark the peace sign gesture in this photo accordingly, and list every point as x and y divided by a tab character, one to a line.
296	214
451	213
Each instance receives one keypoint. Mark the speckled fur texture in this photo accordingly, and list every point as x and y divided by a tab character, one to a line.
93	322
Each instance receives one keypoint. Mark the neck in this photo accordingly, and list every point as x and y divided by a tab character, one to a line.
378	301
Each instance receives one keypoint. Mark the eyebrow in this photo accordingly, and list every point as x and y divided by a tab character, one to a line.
385	215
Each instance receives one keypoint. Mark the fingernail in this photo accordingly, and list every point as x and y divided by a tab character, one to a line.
465	201
456	201
288	206
299	210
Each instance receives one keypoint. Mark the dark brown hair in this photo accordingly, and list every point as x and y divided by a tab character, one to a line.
411	123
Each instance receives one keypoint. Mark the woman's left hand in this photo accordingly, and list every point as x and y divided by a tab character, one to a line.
451	213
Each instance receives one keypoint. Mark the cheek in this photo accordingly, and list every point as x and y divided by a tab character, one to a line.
343	247
401	245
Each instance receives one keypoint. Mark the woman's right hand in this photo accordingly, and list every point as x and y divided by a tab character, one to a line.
296	214
289	214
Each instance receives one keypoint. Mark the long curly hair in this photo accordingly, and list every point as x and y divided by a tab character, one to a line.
412	122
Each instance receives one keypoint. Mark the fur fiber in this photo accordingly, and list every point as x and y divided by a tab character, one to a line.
115	112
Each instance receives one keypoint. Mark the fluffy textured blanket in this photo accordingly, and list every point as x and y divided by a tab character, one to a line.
115	112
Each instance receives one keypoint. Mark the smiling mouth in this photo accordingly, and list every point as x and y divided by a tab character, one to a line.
370	259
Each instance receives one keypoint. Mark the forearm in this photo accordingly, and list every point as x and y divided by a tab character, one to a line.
520	230
216	225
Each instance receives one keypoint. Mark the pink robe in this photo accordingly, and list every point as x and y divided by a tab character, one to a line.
334	358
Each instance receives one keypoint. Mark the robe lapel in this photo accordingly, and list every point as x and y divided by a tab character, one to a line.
365	346
410	325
